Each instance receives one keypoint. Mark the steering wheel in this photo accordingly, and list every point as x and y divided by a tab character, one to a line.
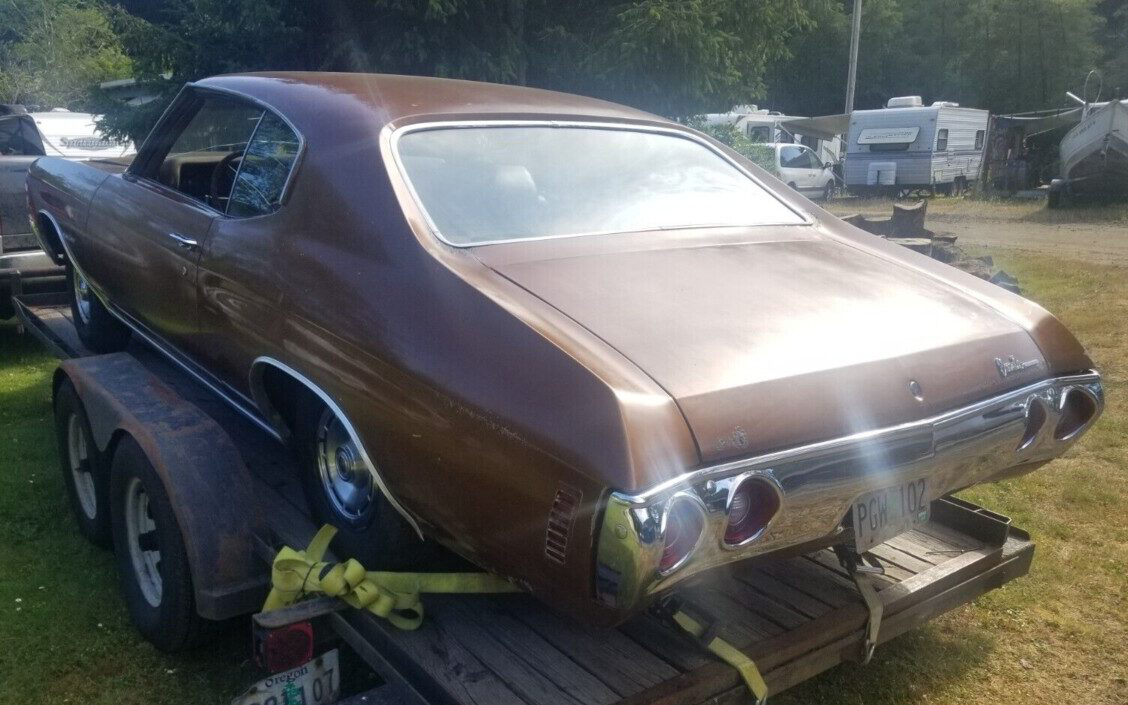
219	188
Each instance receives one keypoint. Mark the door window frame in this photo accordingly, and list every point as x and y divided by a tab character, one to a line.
172	123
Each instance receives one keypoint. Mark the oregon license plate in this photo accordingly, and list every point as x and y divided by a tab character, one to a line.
882	514
316	683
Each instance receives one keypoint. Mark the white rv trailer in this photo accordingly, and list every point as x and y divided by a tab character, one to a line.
907	146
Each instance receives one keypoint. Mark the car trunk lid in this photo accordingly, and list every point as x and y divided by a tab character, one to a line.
781	341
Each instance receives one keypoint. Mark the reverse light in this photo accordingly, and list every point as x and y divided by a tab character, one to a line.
753	504
684	523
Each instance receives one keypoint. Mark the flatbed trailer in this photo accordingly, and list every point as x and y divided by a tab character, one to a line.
794	617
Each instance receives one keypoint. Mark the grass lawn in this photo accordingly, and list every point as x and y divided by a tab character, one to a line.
65	636
1016	210
1058	635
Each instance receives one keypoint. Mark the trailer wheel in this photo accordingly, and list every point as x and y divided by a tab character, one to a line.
96	326
341	491
152	562
83	473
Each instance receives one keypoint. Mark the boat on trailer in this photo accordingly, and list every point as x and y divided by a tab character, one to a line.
1094	154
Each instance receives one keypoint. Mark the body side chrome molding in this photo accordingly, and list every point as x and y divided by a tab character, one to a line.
233	398
257	369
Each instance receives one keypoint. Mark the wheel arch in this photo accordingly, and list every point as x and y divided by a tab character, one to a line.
49	234
271	379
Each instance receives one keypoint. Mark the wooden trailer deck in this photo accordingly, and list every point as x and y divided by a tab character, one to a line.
794	617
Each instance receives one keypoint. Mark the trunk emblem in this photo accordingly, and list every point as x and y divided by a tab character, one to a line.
1010	365
915	390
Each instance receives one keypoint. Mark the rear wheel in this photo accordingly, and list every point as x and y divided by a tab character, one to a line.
86	482
153	568
96	326
341	490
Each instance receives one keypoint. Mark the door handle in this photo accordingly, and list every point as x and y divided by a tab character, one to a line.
184	242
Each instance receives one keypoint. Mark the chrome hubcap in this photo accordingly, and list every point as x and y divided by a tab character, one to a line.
141	536
82	296
79	461
345	479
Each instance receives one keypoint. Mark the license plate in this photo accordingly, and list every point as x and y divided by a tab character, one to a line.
882	514
316	683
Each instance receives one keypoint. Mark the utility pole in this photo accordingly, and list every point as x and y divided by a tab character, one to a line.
855	34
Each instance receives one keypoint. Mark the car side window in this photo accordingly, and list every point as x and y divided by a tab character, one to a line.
792	158
18	137
204	157
265	169
979	139
812	160
942	139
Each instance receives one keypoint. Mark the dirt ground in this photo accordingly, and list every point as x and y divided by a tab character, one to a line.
1096	234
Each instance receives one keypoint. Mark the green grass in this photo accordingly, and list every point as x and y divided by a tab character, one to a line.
65	636
1016	210
1057	635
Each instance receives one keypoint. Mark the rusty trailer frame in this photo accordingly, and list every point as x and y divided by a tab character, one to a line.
237	499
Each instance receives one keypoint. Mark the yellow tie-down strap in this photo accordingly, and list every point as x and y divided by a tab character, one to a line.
729	654
392	596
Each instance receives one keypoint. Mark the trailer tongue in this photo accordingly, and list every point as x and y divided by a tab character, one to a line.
791	618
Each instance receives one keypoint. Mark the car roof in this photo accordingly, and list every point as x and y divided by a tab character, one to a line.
306	97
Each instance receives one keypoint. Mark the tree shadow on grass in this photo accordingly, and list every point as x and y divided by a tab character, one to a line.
921	664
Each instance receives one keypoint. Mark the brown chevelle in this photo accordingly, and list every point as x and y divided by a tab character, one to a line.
583	346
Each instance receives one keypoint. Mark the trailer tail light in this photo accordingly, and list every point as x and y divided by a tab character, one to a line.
753	505
283	648
685	521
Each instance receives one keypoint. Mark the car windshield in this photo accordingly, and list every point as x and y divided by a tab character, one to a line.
498	183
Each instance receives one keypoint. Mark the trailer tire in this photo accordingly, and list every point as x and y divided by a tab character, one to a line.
84	473
376	535
158	589
96	326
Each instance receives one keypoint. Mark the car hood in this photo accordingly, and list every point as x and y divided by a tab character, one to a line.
777	342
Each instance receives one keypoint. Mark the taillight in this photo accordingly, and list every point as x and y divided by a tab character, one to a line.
685	521
1077	409
753	504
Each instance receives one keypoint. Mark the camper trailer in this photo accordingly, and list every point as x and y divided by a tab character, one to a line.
907	146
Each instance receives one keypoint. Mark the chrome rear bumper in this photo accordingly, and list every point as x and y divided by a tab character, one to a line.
1004	435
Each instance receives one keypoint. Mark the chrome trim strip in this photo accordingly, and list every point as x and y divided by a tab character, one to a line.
236	400
876	435
21	255
256	383
397	133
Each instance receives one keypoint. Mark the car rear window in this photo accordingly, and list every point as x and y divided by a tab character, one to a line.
489	184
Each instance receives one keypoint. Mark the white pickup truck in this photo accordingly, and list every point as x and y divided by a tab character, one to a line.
24	137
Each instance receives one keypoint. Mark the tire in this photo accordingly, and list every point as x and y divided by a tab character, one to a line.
369	530
97	328
828	191
158	589
84	475
1053	199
